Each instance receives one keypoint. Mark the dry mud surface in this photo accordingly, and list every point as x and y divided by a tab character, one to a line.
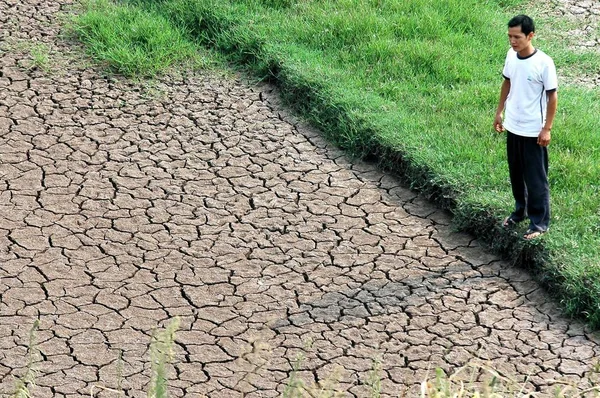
579	27
121	209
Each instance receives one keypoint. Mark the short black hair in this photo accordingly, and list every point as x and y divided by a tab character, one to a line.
525	22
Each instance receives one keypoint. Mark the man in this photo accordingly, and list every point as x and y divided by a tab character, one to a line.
528	98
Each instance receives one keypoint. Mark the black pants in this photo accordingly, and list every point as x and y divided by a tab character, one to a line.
528	168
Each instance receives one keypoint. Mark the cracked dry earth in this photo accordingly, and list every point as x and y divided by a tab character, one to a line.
583	33
121	210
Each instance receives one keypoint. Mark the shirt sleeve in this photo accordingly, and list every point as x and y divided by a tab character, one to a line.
506	71
549	77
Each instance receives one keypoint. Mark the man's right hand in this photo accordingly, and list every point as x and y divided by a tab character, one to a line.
498	124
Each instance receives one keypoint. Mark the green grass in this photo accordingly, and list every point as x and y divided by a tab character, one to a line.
131	41
414	84
40	57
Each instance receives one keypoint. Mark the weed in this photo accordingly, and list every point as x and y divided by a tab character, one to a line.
40	57
293	388
119	389
39	54
298	388
27	381
161	354
374	380
475	379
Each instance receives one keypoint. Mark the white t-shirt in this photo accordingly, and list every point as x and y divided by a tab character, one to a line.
530	80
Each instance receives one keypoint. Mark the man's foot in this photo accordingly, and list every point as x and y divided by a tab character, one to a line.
532	234
509	222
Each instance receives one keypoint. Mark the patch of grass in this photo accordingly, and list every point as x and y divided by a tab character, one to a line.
132	41
40	57
415	84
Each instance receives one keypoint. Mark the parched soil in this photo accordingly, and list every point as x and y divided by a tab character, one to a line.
124	206
578	25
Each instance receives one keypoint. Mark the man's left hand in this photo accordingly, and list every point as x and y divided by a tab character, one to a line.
544	137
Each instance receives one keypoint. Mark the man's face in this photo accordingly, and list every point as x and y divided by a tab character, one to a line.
518	40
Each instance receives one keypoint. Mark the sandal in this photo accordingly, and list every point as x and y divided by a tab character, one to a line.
531	234
509	222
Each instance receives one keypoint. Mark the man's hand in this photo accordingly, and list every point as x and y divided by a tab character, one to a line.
544	137
498	123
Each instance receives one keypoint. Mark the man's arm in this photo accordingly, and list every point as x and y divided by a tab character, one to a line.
545	135
504	90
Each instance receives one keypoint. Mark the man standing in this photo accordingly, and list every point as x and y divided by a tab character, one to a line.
528	98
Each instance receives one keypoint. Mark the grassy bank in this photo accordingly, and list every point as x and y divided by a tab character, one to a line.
415	84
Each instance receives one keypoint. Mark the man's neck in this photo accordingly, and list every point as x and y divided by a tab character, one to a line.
526	52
